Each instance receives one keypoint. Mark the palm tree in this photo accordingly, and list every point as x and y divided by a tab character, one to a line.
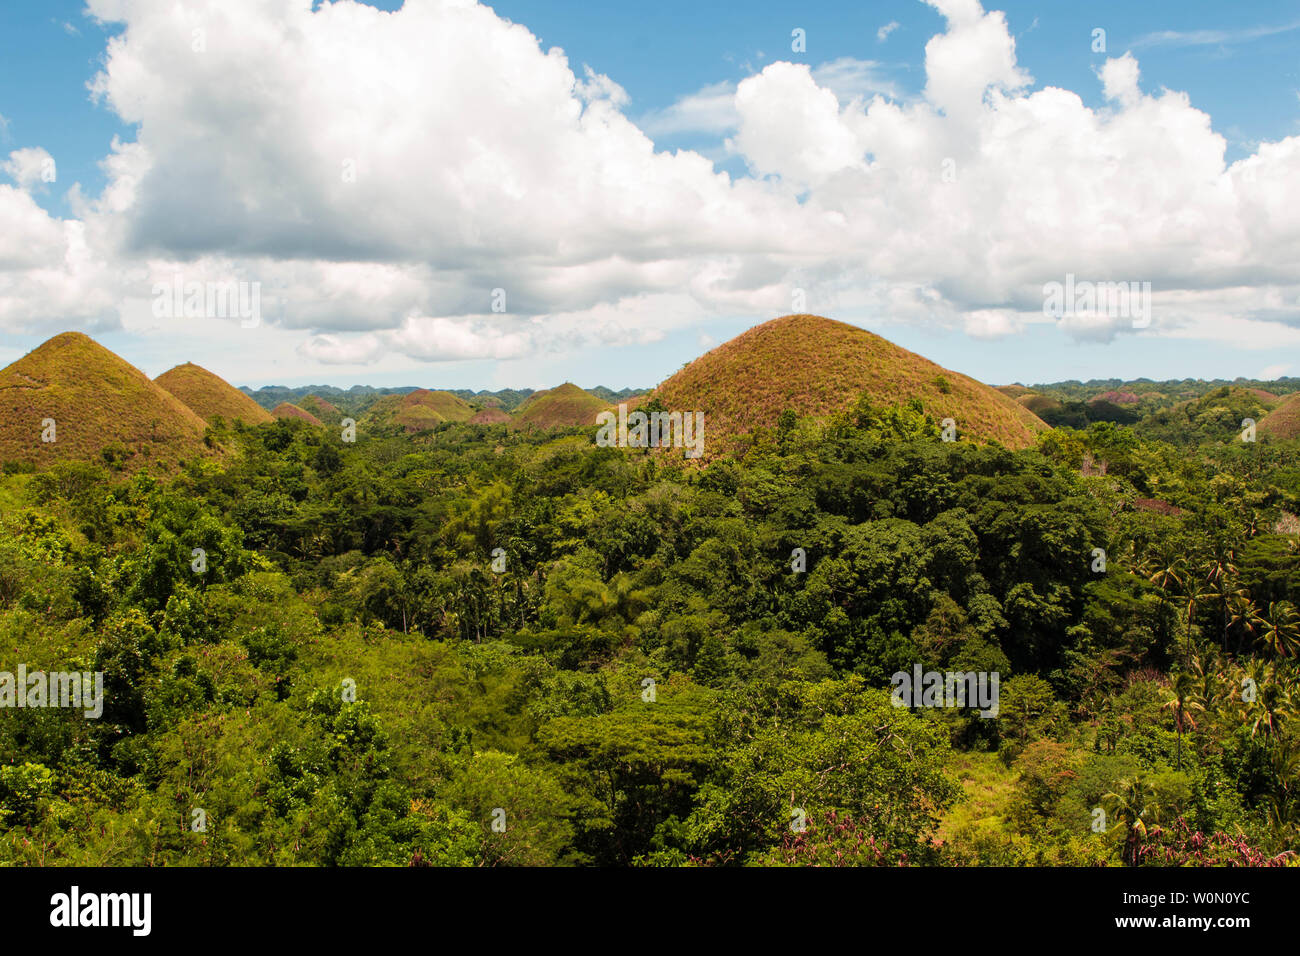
1207	684
1274	702
1243	616
1195	595
1279	629
1183	689
1166	573
1133	802
1220	572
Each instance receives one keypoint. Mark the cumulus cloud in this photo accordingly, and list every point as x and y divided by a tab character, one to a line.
792	128
339	156
30	167
713	108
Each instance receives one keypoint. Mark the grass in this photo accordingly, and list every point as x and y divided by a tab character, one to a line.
1284	420
560	407
209	396
422	409
322	409
816	366
285	410
988	787
104	409
491	416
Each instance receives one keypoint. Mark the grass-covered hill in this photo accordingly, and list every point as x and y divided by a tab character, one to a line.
210	396
815	367
104	409
324	410
417	410
1284	420
490	416
424	409
561	407
285	410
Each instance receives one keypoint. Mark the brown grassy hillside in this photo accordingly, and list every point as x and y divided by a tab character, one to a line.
1116	397
103	408
322	409
1038	404
423	409
560	407
490	416
209	396
1284	420
381	411
817	366
285	410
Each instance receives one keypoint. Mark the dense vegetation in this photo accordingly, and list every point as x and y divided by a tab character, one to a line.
477	646
1180	413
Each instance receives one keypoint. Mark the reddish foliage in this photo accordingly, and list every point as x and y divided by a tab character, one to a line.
1180	845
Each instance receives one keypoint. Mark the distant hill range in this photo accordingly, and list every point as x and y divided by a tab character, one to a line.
359	398
1144	391
73	399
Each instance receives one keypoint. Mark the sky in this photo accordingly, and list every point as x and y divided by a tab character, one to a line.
460	195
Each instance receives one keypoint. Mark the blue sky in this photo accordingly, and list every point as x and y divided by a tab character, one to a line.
1237	63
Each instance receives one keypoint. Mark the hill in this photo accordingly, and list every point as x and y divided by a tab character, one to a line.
561	407
285	410
1216	416
210	396
1038	403
322	409
423	409
1015	390
1284	420
1116	397
490	416
817	366
103	408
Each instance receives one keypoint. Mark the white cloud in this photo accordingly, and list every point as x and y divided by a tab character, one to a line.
708	110
1119	80
712	109
30	167
883	33
1272	372
791	127
954	207
851	79
1211	37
